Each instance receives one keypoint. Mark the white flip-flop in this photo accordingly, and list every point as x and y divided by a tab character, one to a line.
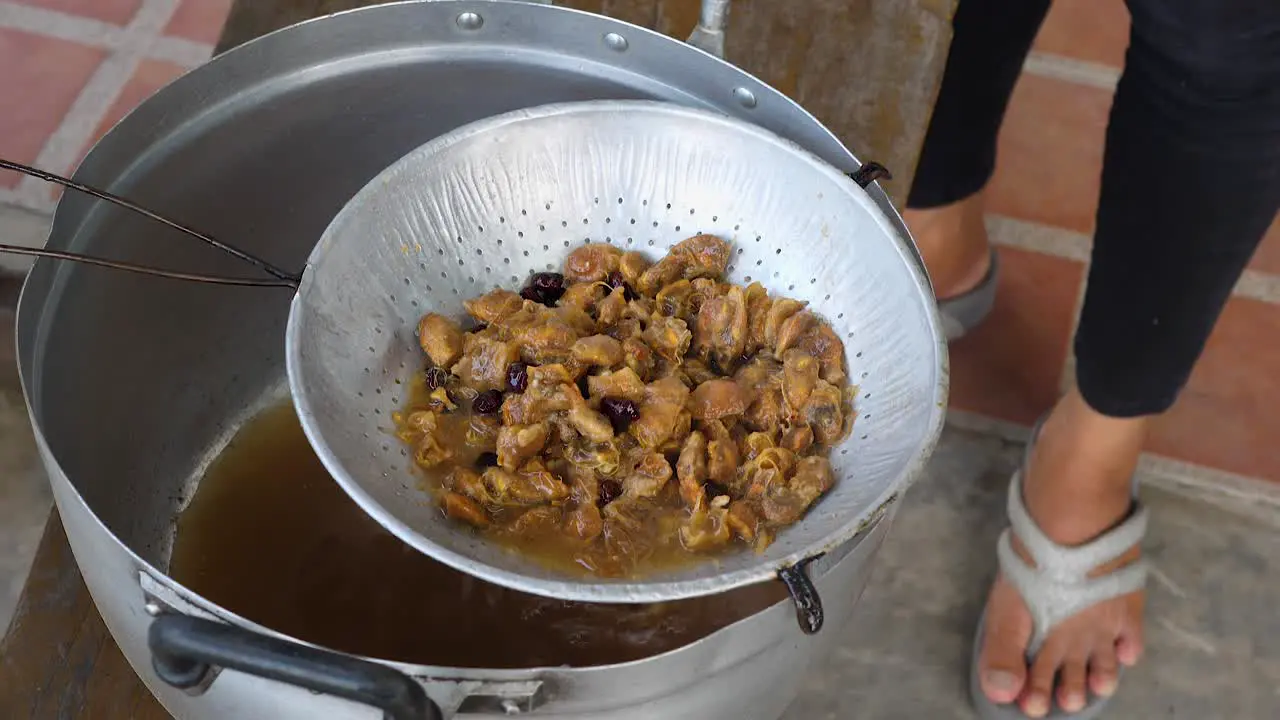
1057	588
966	311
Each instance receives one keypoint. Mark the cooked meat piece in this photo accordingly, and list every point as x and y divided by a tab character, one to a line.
422	429
518	443
441	339
798	439
717	399
611	309
723	458
623	384
760	372
595	426
758	305
674	300
465	509
599	351
663	401
600	458
549	341
698	257
591	263
484	362
769	468
791	330
785	503
584	522
639	357
691	469
756	443
706	527
632	266
440	401
821	342
697	372
493	306
531	485
706	256
649	477
582	296
743	521
721	329
669	338
679	433
779	312
482	431
823	412
766	411
536	522
543	377
468	482
799	376
576	318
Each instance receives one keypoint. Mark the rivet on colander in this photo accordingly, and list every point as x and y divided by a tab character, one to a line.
745	97
614	41
470	21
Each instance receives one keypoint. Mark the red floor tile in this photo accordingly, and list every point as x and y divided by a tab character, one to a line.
46	75
1267	258
116	12
1050	154
199	20
1092	30
1010	367
1228	417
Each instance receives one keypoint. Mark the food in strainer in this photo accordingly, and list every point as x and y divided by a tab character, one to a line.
623	415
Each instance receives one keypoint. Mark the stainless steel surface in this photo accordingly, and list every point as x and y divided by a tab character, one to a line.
493	202
713	22
133	384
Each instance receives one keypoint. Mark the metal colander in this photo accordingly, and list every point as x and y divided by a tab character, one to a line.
489	204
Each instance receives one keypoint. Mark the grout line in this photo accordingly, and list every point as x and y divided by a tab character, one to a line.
63	26
1253	497
1257	285
180	51
65	146
1097	75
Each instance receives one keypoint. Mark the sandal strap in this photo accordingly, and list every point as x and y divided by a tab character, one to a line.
1058	585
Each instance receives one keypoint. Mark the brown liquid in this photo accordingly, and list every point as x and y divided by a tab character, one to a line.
270	536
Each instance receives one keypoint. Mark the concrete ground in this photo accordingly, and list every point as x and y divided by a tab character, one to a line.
1213	631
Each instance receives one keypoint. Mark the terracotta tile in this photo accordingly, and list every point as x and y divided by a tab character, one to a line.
1010	367
1267	259
116	12
47	75
199	20
1050	154
1228	416
1092	30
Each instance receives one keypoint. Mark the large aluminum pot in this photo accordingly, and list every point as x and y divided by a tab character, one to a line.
133	384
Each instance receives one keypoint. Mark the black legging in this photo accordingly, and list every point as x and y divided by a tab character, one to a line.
1190	180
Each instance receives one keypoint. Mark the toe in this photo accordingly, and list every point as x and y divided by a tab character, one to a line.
1129	647
1003	662
1104	673
1037	696
1071	684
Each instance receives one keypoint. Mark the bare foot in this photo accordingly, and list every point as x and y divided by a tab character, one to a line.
1078	487
953	242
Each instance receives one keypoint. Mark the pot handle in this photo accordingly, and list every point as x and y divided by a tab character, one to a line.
185	648
804	594
713	20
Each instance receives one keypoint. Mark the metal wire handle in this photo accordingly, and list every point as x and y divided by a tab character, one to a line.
282	278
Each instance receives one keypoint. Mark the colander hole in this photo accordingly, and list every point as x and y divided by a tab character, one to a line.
729	269
414	303
790	288
849	335
757	238
650	242
714	218
526	253
440	251
378	330
747	278
506	261
633	221
455	291
524	212
586	241
586	221
377	411
366	434
564	223
471	279
759	262
459	238
406	282
608	220
480	228
739	251
366	371
499	241
668	206
566	243
867	396
546	247
813	281
488	269
867	416
550	266
460	262
403	453
736	228
827	297
360	394
864	376
479	252
371	349
655	223
502	220
520	233
840	316
775	274
377	391
677	228
859	354
515	279
619	201
644	202
864	437
393	298
608	240
844	452
547	206
595	200
630	240
777	251
690	211
542	228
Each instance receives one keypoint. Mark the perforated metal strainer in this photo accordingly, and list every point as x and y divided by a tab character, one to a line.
488	204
